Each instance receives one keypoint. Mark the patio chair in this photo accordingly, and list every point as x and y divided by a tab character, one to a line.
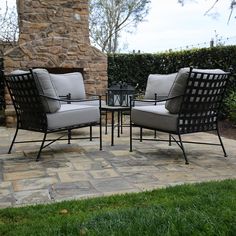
38	108
193	105
70	85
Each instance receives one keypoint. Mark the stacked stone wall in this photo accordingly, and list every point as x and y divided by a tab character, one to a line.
56	35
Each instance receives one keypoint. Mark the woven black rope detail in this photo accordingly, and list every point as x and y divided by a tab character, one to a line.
27	102
201	102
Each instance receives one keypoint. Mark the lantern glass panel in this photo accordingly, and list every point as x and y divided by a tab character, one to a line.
119	94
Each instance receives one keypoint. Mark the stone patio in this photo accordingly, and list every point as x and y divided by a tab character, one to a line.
80	170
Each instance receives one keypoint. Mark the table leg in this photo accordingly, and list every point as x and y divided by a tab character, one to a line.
118	133
121	122
106	123
141	134
112	128
91	133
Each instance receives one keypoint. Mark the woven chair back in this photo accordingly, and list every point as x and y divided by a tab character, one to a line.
27	102
202	102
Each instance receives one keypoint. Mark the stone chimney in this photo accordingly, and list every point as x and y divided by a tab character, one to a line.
55	34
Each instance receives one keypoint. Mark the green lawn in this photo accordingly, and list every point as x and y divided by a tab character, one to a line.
198	209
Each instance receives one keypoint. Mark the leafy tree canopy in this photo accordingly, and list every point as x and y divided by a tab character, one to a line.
8	24
232	5
109	17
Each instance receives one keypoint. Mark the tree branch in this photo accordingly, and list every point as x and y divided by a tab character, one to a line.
211	7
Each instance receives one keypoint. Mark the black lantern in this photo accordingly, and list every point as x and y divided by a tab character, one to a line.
118	94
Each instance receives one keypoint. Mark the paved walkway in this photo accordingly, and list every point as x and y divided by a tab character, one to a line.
80	170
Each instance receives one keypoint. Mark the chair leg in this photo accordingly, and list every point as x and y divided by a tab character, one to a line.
222	145
100	128
118	126
42	146
90	133
121	122
182	147
141	135
169	139
106	122
112	128
100	136
69	135
13	140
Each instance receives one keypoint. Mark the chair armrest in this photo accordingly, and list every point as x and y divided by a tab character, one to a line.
157	100
69	100
156	97
143	100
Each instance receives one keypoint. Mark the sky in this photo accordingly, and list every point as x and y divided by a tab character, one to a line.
169	25
172	26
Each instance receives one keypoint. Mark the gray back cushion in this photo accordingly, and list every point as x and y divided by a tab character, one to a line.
179	85
45	87
159	84
72	83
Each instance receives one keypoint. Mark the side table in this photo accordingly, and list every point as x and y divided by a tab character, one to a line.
113	109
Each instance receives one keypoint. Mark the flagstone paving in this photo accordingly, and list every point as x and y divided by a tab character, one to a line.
79	170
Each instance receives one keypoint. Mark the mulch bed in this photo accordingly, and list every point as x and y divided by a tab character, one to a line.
227	129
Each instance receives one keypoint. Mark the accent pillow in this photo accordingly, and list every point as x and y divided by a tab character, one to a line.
45	87
179	85
159	84
72	83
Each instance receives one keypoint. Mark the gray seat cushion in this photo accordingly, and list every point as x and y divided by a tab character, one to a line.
45	87
154	117
73	114
179	85
159	84
72	83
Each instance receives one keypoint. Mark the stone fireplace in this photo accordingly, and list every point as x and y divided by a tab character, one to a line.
55	34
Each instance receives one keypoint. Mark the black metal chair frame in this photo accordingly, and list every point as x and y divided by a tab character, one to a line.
199	110
31	115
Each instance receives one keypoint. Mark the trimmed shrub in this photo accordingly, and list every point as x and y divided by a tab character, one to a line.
135	68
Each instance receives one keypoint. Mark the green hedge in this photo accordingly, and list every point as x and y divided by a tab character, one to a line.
135	68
